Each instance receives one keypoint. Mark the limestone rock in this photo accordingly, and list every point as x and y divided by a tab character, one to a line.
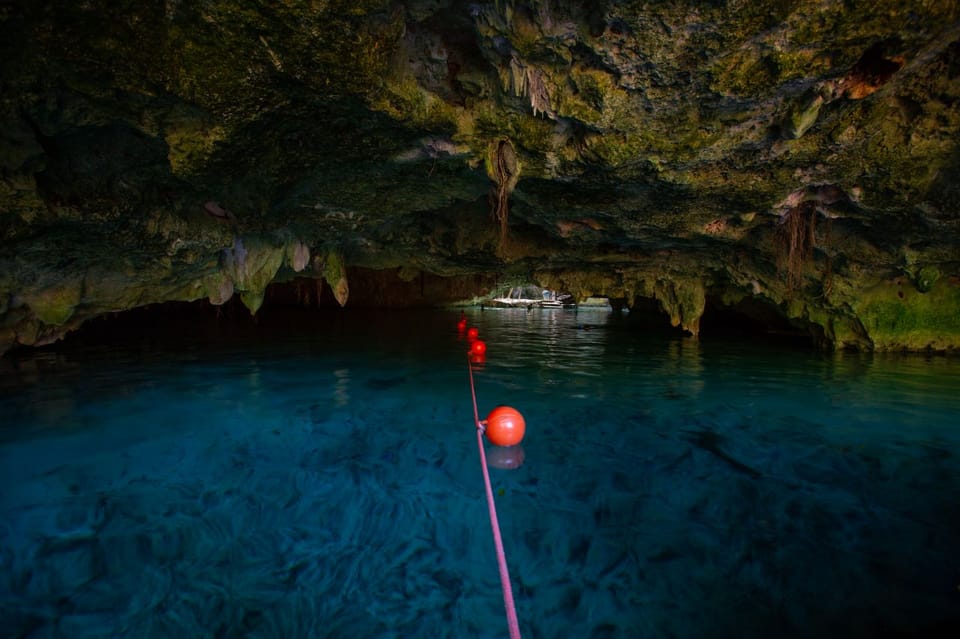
646	151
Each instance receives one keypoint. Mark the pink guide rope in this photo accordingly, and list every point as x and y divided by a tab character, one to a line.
512	622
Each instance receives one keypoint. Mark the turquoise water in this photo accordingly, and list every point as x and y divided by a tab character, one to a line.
320	478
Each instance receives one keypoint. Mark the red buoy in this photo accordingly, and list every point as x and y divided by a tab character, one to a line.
462	325
473	333
505	426
478	347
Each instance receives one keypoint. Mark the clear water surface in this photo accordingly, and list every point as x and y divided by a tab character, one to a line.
320	478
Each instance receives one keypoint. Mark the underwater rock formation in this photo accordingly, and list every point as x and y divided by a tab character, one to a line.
802	154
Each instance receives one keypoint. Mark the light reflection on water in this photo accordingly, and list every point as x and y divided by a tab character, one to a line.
321	479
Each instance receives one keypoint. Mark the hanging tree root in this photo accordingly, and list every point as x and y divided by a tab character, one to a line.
795	239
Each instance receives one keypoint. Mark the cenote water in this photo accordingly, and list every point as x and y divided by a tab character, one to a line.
321	478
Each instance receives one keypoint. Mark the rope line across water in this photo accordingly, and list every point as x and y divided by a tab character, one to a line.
512	623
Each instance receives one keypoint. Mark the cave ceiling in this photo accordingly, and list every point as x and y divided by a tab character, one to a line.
800	154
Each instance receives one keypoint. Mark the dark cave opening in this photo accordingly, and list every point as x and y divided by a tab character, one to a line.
175	325
747	320
750	319
303	304
648	316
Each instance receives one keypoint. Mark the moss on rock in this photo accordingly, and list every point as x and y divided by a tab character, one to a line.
55	304
897	316
191	141
406	101
927	277
683	300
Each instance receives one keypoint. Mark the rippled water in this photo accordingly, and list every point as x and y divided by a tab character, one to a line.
320	478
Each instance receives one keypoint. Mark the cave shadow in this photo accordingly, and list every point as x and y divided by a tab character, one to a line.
754	321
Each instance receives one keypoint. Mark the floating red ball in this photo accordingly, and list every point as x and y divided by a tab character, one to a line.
505	426
462	325
473	333
478	347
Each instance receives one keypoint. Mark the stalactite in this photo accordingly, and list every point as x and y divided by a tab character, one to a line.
527	81
683	301
537	90
505	171
335	273
299	255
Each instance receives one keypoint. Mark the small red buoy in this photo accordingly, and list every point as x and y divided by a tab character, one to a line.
505	426
462	325
478	347
478	360
473	333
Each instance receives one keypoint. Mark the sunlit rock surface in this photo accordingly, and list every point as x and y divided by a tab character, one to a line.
796	160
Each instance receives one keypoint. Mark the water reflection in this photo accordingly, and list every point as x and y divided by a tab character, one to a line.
341	387
506	457
681	370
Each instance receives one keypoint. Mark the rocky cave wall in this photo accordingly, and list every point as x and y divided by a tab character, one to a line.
802	155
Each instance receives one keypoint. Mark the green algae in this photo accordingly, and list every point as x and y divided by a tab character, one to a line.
531	136
191	140
407	102
926	278
759	69
54	305
897	316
